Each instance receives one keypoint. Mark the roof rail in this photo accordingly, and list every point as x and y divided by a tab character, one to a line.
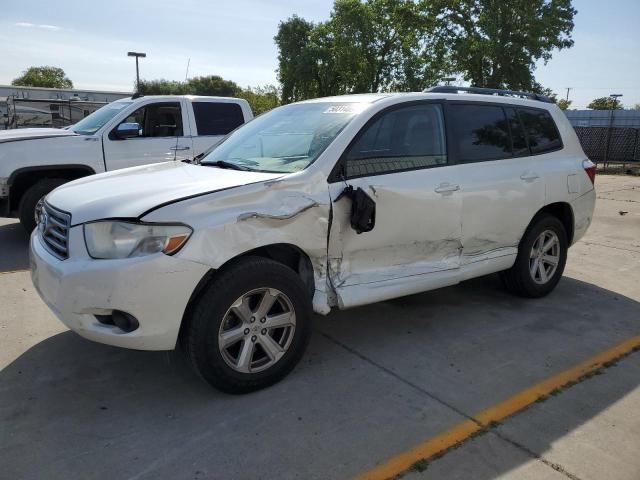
488	91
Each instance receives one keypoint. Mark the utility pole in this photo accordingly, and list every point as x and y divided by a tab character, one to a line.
137	55
568	88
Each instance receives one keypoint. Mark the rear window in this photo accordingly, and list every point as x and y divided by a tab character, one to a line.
217	118
541	130
479	132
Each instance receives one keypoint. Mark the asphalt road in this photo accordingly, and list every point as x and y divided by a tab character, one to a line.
375	382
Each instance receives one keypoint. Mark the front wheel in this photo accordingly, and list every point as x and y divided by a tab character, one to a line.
541	259
250	326
32	199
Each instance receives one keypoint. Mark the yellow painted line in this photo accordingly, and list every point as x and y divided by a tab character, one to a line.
15	271
461	432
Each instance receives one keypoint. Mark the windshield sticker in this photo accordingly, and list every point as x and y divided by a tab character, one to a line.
344	108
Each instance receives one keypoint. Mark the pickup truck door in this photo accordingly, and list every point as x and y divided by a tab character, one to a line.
211	120
161	137
399	159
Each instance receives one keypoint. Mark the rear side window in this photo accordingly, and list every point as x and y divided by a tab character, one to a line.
405	138
479	132
518	135
541	130
217	118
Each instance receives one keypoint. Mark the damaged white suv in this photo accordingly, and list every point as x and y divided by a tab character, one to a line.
334	202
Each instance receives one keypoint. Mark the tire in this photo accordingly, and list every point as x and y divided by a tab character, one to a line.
212	321
30	199
526	277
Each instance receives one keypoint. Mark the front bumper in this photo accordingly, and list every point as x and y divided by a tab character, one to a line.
155	289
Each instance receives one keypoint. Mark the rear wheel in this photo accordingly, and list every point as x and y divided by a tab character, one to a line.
541	259
32	199
250	326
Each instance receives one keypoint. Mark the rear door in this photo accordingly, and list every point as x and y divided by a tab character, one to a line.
161	130
400	160
501	183
213	120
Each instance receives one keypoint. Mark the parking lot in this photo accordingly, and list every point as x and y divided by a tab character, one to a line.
376	387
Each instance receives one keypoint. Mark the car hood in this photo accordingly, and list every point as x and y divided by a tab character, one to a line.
130	192
33	133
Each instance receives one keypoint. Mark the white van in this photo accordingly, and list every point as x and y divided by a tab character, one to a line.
333	202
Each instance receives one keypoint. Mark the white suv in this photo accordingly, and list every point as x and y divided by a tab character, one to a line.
333	202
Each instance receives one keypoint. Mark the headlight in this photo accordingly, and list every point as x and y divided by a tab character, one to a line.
108	239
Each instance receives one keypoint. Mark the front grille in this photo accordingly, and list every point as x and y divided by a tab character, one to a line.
54	229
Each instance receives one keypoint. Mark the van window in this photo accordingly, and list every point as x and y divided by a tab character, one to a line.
541	130
406	138
217	118
479	132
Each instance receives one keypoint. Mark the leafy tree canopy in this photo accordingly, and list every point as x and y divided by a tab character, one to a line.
564	104
382	45
261	99
47	77
605	103
496	44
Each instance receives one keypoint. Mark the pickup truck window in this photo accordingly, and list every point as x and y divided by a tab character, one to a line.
287	139
214	118
94	122
158	120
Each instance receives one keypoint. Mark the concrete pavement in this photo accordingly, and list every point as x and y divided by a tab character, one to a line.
376	381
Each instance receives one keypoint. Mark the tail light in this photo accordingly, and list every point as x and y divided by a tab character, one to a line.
590	170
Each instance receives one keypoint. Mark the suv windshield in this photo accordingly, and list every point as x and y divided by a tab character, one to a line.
92	123
287	139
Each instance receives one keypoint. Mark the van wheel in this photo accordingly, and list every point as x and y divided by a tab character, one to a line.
541	259
32	199
250	326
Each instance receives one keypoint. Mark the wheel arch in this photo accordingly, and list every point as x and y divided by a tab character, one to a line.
24	178
285	253
563	212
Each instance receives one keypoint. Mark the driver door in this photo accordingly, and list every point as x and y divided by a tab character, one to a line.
161	137
400	160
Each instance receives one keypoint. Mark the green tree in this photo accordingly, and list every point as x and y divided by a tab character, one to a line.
496	44
161	87
605	103
47	77
564	104
365	46
261	99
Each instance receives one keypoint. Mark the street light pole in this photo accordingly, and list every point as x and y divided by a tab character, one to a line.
137	55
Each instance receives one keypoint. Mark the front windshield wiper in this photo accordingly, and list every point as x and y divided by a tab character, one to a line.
229	165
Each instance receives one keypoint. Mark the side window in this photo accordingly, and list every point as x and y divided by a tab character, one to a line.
158	120
217	118
518	135
541	130
479	132
406	138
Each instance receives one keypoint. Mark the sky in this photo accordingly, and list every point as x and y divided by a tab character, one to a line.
234	39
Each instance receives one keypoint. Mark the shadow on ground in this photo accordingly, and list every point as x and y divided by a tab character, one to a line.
375	381
14	244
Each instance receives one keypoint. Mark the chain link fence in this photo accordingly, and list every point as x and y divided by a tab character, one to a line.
610	145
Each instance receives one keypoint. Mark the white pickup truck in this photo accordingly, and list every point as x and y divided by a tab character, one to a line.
126	133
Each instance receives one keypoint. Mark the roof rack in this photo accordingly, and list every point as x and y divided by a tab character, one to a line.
488	91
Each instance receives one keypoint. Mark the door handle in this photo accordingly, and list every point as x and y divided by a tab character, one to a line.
446	188
529	177
179	148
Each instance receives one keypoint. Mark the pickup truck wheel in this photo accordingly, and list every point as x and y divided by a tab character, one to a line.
29	203
250	326
541	259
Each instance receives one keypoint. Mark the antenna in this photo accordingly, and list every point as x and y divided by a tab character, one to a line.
186	75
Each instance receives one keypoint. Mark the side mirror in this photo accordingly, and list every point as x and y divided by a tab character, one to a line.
363	209
127	130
